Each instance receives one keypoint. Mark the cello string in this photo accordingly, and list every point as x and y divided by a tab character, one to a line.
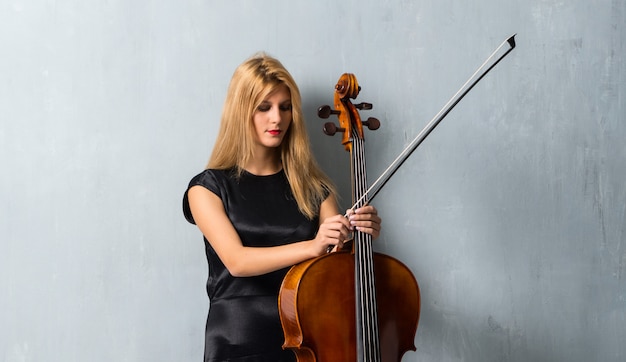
361	331
369	310
358	247
487	65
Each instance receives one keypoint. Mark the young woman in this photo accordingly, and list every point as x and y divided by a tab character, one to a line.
262	205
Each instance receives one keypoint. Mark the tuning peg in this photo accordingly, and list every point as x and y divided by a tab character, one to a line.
330	129
372	123
326	111
363	105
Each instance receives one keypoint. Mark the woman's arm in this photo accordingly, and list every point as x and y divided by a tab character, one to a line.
210	216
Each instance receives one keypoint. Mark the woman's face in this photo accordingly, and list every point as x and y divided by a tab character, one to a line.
273	117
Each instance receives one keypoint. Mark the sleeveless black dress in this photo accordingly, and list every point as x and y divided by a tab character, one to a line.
243	324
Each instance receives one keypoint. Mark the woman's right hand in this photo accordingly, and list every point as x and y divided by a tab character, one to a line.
332	233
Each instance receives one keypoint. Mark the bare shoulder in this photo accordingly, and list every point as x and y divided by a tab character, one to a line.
202	199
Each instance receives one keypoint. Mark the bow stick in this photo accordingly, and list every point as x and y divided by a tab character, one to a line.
503	50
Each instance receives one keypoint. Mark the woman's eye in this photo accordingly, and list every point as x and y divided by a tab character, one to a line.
267	107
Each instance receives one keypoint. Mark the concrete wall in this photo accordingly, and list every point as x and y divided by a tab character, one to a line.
512	214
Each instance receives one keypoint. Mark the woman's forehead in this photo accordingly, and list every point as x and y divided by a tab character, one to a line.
279	90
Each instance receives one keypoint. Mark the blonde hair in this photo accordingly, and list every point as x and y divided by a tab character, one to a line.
252	81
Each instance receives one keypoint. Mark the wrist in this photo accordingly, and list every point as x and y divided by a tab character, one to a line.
311	249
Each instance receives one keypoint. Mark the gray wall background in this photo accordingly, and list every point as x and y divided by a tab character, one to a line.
512	214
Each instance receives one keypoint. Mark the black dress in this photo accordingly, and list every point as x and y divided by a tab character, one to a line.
243	323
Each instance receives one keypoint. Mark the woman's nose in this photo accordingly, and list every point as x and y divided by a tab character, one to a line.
275	115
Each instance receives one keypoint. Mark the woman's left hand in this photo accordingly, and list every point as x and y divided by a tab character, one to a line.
365	219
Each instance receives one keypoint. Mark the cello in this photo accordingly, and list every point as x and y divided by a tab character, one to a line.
353	304
357	305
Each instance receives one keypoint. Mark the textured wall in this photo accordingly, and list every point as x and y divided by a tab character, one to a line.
511	214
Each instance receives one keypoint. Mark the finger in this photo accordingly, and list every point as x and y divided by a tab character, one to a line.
334	228
337	247
367	209
358	218
366	226
368	230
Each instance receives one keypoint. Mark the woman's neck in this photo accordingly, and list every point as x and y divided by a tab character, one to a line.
268	164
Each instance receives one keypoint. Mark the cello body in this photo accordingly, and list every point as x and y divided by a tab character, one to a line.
317	304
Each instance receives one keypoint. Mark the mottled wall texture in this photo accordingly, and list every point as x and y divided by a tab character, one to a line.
511	214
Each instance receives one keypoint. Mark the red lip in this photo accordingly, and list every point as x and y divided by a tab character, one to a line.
274	132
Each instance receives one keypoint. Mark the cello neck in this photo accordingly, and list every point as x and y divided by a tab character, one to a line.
366	308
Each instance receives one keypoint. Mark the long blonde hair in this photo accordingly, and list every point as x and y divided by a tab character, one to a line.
252	81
